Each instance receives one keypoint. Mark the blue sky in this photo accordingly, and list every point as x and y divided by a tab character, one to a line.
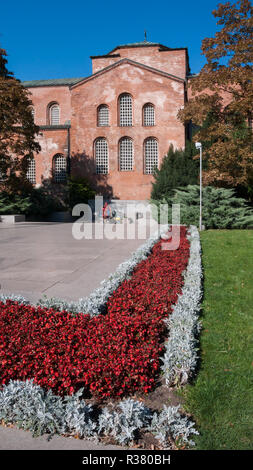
55	39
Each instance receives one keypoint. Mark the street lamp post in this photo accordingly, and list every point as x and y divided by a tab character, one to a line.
198	146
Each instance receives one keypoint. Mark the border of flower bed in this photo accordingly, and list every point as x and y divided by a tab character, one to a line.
181	355
30	407
34	409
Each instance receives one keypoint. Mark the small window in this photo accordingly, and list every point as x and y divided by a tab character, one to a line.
54	115
101	156
150	155
103	115
59	168
33	113
31	171
125	110
148	115
126	154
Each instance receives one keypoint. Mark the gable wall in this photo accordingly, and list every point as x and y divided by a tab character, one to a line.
167	96
173	62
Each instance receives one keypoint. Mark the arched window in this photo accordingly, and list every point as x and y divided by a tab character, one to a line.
31	171
125	110
103	115
125	154
148	115
59	168
101	156
150	155
54	114
33	113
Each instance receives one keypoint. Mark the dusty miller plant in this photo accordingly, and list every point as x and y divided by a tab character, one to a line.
181	348
169	425
123	425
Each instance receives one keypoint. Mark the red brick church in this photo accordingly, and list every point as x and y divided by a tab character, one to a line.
115	126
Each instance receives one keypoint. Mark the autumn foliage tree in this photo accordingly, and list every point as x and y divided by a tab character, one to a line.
17	130
222	94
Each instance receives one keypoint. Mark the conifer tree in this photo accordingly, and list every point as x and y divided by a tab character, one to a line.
177	169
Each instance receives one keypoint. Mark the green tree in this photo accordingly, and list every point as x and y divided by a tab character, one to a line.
79	191
221	208
177	169
17	130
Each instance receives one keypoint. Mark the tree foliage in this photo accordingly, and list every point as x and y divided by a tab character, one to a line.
224	90
177	169
17	129
79	191
222	209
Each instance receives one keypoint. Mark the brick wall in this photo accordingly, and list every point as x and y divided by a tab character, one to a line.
173	62
165	94
79	104
43	96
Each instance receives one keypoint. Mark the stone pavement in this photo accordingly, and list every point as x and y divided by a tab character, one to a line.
17	439
44	258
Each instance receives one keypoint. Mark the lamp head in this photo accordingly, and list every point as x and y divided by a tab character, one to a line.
198	145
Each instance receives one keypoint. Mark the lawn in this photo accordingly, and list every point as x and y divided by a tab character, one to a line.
221	398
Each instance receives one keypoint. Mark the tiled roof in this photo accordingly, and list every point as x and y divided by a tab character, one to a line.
141	44
137	44
52	82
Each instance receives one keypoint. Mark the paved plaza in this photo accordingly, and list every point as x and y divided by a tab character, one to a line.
38	259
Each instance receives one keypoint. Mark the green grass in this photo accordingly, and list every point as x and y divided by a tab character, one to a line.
221	399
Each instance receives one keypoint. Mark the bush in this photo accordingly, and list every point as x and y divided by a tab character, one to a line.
79	191
45	200
221	208
50	197
177	169
38	202
14	203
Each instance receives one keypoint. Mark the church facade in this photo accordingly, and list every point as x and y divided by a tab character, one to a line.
115	126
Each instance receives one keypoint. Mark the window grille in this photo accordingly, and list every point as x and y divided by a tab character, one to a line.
59	168
148	115
103	115
126	154
54	115
31	171
125	110
101	156
150	155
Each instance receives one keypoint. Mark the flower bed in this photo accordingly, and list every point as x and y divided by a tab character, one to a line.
110	355
32	408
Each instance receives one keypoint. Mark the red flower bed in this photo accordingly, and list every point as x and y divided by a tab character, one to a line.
110	355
